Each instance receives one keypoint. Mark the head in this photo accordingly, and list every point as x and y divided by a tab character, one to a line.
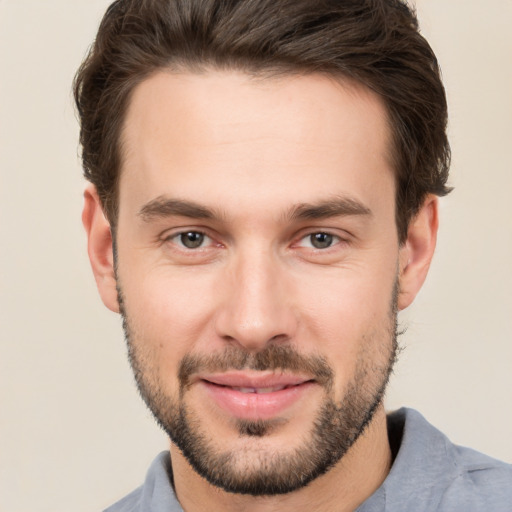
262	204
373	42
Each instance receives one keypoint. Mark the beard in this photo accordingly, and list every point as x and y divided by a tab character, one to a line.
254	470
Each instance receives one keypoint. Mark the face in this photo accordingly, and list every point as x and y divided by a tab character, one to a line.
257	269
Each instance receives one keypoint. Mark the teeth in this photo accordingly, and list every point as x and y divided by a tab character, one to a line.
259	390
245	390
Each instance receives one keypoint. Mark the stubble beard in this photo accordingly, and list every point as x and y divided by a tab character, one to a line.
256	471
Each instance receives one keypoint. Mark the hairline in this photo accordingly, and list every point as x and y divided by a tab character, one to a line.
265	73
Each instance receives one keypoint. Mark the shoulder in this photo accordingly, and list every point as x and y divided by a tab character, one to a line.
435	474
477	463
482	483
156	494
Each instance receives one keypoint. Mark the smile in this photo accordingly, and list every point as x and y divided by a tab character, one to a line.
255	397
259	390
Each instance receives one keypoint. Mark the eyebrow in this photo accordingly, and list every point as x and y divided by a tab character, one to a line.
335	207
163	207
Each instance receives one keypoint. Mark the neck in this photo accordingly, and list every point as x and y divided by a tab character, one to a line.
342	489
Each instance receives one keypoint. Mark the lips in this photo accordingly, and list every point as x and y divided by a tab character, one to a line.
255	395
259	390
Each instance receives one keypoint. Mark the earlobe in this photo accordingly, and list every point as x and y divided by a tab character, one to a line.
99	247
417	251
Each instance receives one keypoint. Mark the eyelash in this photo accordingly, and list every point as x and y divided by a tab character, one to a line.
176	238
334	240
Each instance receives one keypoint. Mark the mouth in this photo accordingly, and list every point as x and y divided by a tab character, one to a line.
255	396
258	390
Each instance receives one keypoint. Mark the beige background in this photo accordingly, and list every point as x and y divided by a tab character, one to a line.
74	435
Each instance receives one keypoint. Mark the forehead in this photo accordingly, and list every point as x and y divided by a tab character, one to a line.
205	135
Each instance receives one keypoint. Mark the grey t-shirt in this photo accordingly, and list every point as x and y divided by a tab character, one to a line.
429	474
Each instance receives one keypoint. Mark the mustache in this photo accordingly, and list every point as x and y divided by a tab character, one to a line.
271	358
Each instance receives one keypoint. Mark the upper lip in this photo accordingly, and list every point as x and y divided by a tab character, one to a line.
257	379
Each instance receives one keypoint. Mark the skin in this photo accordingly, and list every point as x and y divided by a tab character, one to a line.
252	151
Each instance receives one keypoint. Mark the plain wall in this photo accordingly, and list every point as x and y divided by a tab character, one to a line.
74	435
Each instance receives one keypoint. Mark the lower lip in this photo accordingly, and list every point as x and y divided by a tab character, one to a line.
255	406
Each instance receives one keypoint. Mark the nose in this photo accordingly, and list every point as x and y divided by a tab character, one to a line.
257	303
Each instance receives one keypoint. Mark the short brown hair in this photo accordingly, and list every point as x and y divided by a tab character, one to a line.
375	42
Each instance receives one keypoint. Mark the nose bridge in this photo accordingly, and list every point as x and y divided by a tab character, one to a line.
256	308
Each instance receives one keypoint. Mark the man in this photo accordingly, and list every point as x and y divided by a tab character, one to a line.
262	202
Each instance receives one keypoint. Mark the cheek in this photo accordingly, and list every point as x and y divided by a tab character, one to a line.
346	302
347	319
168	314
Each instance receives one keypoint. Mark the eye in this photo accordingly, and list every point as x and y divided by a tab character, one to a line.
191	239
319	240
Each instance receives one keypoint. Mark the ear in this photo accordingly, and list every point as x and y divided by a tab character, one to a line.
417	251
99	247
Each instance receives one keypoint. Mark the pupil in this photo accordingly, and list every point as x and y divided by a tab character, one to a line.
321	240
192	239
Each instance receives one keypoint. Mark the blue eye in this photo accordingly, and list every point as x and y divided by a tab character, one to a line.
191	239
